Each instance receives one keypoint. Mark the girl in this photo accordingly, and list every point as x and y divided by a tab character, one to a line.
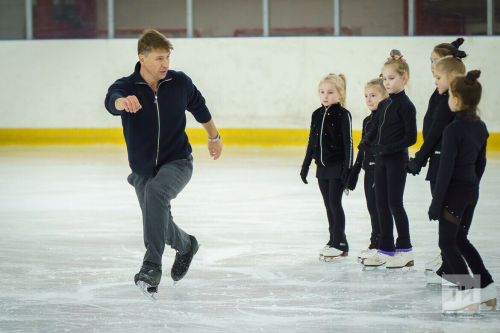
456	193
374	93
394	130
330	144
434	123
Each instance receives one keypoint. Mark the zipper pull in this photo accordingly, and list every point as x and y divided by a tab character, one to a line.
156	99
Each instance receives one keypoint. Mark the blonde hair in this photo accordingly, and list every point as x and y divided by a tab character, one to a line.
379	83
399	64
451	64
151	40
339	81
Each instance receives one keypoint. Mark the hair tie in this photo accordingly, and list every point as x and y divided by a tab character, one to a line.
455	45
395	57
469	79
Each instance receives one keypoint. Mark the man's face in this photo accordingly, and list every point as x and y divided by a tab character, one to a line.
156	63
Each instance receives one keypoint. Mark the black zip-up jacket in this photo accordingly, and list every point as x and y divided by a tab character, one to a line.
431	147
429	115
365	159
463	157
330	137
156	135
395	125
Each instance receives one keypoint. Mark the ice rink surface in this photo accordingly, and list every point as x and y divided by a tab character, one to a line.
71	242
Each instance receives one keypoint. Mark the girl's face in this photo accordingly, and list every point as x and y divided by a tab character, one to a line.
373	96
454	103
328	94
442	81
393	82
434	57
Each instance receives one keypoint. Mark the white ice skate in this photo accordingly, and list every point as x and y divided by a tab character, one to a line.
401	262
469	298
323	250
333	253
434	265
374	263
368	253
435	282
489	295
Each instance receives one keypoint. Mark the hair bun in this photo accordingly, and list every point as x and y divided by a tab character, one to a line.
460	54
457	42
396	53
472	76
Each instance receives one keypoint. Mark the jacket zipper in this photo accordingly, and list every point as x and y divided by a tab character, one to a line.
158	111
321	138
380	128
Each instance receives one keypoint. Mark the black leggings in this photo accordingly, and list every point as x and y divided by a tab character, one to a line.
390	181
454	225
332	190
371	203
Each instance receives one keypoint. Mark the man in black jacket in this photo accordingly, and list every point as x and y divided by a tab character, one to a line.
152	104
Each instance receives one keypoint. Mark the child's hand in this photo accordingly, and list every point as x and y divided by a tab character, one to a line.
303	174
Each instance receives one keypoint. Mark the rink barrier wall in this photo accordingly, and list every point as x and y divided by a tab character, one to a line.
197	136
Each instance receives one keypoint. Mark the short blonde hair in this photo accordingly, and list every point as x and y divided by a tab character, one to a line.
339	81
379	83
451	64
398	63
151	40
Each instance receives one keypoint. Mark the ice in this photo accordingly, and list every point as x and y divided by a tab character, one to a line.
71	243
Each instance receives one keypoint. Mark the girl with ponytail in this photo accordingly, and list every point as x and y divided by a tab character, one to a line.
330	145
463	161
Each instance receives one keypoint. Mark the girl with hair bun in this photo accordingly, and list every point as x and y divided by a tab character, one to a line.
330	145
394	130
437	117
374	93
463	160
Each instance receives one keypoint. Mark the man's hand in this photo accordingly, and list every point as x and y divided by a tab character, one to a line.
215	149
130	104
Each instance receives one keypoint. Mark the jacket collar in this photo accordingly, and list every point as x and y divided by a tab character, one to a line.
398	95
139	79
332	107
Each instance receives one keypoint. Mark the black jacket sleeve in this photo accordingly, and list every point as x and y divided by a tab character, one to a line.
443	117
196	104
451	142
309	150
371	135
409	116
429	115
347	138
356	168
481	162
120	89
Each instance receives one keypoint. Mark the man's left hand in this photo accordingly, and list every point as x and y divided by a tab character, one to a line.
215	149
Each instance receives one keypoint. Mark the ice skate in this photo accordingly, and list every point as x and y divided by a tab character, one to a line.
323	250
148	279
365	254
183	261
489	295
436	282
333	254
469	298
376	263
402	262
433	265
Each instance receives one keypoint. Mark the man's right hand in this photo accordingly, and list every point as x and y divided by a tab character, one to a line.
129	104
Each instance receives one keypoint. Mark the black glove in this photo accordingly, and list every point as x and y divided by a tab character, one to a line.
425	162
352	181
303	174
434	212
345	176
380	150
364	144
412	167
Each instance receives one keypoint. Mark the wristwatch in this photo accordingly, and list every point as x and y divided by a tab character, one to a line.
216	139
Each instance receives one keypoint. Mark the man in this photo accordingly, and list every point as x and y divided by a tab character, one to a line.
152	104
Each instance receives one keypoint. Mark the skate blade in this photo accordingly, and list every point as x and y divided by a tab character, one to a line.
400	270
380	268
147	290
332	259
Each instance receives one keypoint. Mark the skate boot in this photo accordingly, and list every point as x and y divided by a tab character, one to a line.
365	254
333	253
372	263
436	282
323	250
148	279
434	265
489	295
183	261
469	298
401	262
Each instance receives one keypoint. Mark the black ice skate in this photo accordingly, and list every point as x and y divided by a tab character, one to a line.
148	279
182	261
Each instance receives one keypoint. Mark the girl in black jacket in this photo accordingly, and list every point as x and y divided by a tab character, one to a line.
374	93
463	160
437	117
394	130
330	144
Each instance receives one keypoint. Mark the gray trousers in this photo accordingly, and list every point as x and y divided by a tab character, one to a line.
155	194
